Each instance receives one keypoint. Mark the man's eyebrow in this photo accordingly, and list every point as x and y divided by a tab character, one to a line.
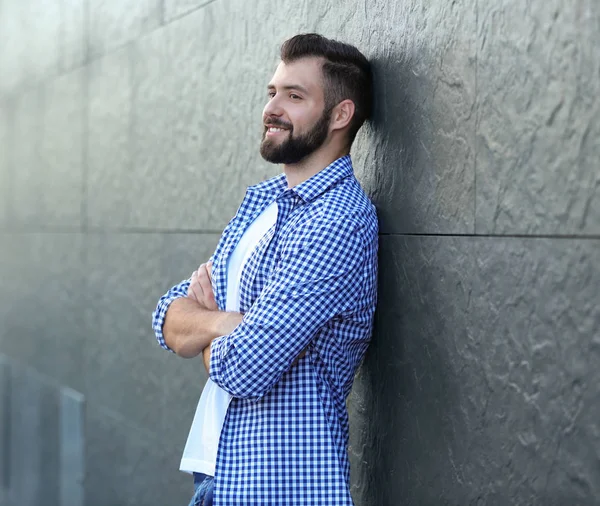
290	87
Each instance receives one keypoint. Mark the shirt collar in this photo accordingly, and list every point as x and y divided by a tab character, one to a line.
323	180
274	186
314	186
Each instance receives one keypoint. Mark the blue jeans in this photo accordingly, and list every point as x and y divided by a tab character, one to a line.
204	490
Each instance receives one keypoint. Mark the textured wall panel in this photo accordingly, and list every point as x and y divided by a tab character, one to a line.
74	34
42	23
62	151
112	23
126	370
111	185
539	137
416	158
123	370
128	465
27	134
5	163
11	275
31	42
482	379
42	303
49	153
12	52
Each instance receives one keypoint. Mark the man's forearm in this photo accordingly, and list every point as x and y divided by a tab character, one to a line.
189	328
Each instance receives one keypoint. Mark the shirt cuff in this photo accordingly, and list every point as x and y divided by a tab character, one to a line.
219	348
159	320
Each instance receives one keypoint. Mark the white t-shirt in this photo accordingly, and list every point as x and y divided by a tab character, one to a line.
200	452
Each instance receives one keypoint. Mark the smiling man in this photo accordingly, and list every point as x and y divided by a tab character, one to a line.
282	312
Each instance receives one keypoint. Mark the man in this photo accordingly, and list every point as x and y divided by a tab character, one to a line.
282	312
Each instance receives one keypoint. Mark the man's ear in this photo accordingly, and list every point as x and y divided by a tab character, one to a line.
342	114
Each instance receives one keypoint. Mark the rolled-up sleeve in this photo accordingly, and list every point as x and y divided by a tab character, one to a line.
160	313
317	278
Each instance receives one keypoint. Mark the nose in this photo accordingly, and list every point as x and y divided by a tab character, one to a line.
273	108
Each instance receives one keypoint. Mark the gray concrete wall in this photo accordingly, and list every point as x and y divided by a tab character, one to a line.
128	133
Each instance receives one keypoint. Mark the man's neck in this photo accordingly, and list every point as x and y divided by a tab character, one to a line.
313	164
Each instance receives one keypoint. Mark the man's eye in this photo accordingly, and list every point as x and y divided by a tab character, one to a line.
271	94
295	97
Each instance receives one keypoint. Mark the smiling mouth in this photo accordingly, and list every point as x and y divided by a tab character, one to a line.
272	130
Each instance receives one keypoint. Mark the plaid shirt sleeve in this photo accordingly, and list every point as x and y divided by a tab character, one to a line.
160	313
318	277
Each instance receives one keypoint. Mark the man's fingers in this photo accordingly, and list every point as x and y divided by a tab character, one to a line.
209	269
205	283
200	288
195	289
190	292
204	279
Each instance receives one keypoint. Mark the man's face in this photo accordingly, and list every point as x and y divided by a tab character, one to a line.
295	119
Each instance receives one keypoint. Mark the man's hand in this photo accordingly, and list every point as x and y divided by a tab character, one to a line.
200	291
192	322
200	288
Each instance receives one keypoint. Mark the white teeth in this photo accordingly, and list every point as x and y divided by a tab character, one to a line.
272	129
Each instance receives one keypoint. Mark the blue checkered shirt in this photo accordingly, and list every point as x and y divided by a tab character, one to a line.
310	284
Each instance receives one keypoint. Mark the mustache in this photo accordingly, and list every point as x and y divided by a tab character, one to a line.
277	123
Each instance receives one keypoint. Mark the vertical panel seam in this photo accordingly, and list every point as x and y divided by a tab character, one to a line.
476	128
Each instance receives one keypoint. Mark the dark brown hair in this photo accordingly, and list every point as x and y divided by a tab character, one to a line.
346	73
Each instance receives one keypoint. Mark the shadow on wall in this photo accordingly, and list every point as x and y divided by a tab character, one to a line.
399	127
404	394
397	123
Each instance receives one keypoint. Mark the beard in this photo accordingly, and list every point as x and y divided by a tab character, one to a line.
295	148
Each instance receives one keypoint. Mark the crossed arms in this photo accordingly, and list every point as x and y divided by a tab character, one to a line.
192	322
319	277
